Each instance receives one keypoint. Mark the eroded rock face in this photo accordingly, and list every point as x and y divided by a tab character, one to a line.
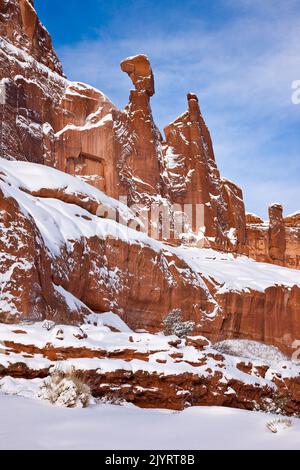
276	241
270	317
138	141
292	230
31	84
192	177
73	127
54	250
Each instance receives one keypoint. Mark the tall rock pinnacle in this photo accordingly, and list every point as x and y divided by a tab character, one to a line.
277	241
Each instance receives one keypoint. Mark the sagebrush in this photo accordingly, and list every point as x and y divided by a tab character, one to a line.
66	389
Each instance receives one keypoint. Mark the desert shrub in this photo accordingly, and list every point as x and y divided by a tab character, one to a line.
2	348
65	389
173	324
278	424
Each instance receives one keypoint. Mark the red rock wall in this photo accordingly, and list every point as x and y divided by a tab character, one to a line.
270	317
47	119
74	127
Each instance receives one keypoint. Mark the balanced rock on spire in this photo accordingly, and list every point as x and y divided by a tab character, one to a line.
139	70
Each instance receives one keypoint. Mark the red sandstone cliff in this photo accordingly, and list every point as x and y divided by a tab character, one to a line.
75	128
192	177
20	26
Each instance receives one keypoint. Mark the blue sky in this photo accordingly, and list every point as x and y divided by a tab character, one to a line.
239	56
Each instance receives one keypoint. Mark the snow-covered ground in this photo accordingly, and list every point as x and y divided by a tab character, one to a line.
30	424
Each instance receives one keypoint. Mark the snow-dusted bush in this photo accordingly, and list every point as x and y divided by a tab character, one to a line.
112	399
279	424
173	325
65	389
189	239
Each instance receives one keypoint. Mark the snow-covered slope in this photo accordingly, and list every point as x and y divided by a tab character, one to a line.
113	343
59	222
230	272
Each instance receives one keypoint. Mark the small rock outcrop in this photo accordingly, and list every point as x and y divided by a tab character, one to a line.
62	259
75	128
276	241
